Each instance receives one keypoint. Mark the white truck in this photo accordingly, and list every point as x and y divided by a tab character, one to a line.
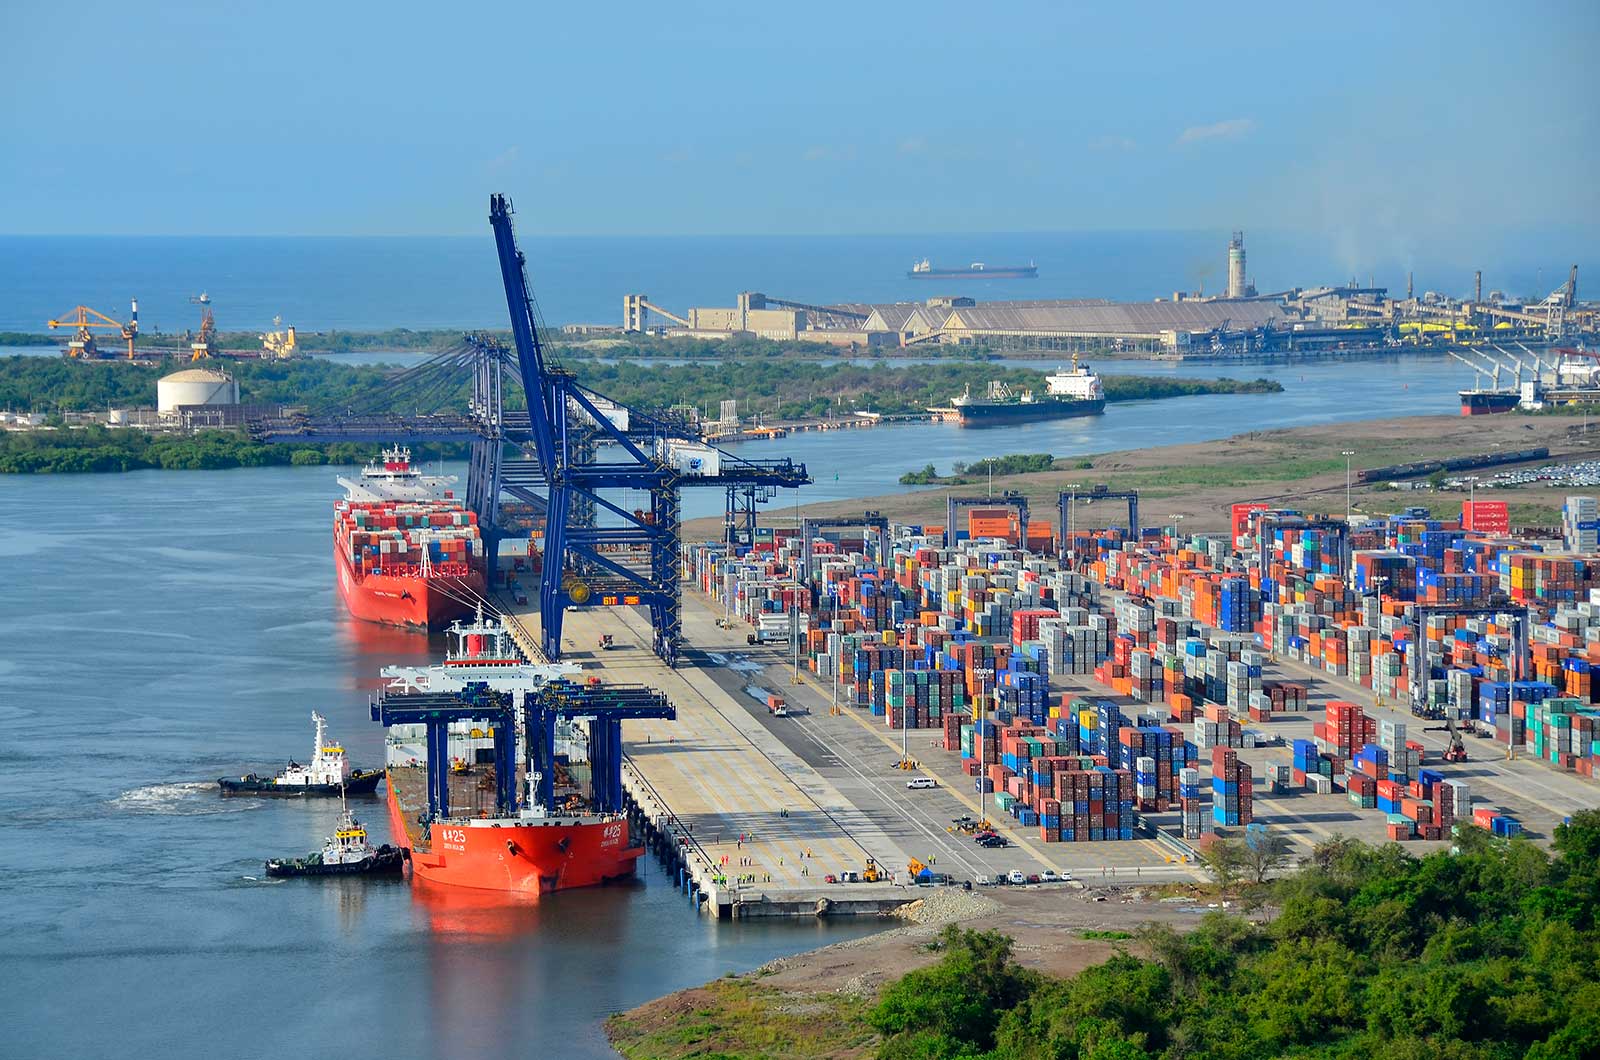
774	628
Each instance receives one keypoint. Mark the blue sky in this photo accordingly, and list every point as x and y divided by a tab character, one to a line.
398	118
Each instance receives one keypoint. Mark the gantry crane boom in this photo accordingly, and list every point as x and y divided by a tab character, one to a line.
84	321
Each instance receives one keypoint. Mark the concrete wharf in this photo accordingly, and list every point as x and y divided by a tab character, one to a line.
752	830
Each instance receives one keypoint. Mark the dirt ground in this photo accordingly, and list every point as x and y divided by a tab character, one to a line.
1296	467
810	1004
1047	923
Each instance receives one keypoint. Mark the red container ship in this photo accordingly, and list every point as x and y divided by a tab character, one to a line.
406	552
539	849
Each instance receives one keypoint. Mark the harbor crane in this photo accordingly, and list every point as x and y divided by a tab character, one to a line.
85	321
1420	671
604	479
1337	529
1008	499
200	348
874	521
1067	499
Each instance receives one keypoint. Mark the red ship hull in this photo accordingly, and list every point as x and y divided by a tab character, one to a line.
524	859
404	601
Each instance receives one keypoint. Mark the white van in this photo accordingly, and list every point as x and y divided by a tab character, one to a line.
922	782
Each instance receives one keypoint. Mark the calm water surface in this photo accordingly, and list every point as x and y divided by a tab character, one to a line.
162	629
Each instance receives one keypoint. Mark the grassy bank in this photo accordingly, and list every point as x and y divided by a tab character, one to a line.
744	1017
1485	954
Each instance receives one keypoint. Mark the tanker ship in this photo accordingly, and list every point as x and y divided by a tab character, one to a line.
553	839
407	554
1067	393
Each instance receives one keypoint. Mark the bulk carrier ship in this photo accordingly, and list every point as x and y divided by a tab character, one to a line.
926	270
406	553
545	845
1067	393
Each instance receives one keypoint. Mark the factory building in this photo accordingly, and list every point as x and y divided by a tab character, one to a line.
1149	326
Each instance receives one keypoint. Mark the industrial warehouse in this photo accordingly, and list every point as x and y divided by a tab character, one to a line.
1240	321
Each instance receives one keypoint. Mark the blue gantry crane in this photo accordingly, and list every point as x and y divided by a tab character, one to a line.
569	456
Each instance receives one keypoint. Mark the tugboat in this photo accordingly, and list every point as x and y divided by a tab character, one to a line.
346	853
328	774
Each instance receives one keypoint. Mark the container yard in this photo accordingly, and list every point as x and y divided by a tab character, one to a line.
1392	678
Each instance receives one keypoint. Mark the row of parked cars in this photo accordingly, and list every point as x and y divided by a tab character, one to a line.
1018	879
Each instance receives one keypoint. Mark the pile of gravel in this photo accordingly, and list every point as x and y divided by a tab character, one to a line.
947	906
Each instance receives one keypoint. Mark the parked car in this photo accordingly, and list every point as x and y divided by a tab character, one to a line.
922	782
1049	876
1034	877
1016	878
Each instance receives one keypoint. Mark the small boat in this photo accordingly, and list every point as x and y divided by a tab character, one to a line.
328	774
346	853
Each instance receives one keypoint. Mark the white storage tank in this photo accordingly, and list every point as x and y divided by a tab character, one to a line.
195	386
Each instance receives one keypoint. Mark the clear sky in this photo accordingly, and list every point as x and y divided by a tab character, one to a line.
353	117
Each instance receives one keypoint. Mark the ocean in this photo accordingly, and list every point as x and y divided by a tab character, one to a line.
332	283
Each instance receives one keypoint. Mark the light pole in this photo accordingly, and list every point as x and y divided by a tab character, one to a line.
1347	454
794	626
1176	519
1072	507
1472	493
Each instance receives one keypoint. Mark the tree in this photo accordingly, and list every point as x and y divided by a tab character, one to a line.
1223	860
1264	856
954	1005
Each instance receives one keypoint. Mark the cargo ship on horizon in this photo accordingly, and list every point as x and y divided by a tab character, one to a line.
1068	392
544	845
406	553
925	270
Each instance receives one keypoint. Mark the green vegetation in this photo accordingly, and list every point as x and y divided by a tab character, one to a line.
22	338
773	386
1107	936
739	1018
99	448
776	387
55	384
1487	953
960	473
788	390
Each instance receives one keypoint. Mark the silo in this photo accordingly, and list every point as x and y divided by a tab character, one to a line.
1236	281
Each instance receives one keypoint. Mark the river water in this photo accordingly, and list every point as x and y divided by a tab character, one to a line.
163	629
166	628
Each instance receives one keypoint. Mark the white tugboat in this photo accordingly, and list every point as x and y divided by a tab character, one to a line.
346	853
328	774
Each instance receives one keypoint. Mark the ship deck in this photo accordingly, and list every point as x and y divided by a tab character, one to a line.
471	795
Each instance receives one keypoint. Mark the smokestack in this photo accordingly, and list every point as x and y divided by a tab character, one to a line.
1477	287
1409	289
